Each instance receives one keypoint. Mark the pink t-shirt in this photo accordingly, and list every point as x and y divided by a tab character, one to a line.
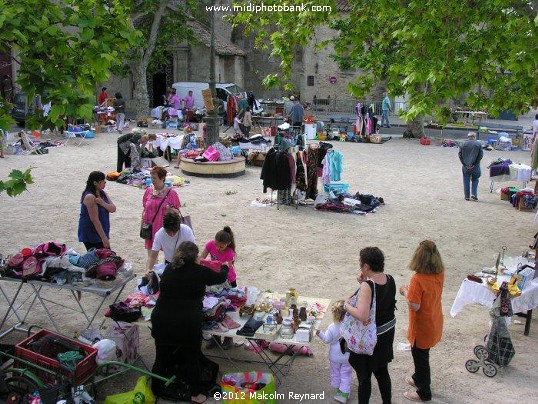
227	255
151	204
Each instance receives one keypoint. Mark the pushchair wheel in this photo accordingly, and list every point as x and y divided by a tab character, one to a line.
489	369
481	352
472	366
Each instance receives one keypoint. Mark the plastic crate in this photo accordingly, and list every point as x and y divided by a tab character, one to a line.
85	368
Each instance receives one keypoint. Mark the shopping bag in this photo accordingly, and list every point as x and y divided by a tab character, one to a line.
360	336
248	388
211	154
141	394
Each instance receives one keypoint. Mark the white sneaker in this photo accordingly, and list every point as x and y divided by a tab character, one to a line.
340	398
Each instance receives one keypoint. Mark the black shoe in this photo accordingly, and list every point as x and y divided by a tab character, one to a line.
474	198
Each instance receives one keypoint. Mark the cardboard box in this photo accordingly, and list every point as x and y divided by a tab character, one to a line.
125	335
522	208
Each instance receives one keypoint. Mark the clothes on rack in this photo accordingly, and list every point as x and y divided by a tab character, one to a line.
332	167
277	170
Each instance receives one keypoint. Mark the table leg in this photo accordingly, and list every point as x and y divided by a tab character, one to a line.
528	322
491	186
11	304
279	369
37	290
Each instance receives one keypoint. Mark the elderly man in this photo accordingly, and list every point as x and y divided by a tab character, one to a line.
470	155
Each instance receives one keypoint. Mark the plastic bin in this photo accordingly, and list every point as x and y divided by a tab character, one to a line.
83	370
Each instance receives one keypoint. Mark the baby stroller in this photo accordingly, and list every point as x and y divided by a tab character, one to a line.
499	349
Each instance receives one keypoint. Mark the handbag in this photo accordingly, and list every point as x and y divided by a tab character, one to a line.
146	229
360	336
186	220
120	311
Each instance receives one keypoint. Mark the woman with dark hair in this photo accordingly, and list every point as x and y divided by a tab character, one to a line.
177	317
372	265
95	207
423	297
156	200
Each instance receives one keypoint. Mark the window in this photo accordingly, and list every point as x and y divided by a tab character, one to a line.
310	81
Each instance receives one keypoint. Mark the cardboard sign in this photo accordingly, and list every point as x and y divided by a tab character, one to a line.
208	99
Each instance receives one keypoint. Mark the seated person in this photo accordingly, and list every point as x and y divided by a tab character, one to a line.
168	238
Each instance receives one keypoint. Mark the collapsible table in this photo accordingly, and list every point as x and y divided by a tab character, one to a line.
278	363
20	307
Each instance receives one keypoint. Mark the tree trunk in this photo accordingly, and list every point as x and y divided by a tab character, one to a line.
140	91
415	128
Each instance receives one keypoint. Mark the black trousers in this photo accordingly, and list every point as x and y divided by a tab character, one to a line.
122	159
422	377
167	357
384	383
93	245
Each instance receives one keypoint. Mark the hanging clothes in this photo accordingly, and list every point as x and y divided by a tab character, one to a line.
276	173
301	177
312	171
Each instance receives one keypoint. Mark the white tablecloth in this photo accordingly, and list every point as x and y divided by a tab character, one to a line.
163	142
471	292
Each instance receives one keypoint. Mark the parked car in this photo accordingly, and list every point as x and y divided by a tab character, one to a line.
22	108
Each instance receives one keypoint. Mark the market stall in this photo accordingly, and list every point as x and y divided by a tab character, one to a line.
477	290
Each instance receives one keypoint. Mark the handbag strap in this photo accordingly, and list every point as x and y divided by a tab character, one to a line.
159	208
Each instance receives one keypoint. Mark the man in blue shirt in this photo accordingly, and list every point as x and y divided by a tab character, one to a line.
470	155
385	106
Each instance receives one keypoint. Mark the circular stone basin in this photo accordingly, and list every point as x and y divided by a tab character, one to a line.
226	169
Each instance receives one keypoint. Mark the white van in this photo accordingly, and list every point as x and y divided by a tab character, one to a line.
223	91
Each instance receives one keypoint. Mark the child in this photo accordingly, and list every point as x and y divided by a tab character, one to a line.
222	249
341	370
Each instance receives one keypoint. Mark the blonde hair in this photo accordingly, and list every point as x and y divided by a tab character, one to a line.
426	259
338	311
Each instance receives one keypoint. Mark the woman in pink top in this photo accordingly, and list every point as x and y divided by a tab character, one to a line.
155	201
222	249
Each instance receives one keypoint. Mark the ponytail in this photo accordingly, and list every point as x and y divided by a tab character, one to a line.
226	236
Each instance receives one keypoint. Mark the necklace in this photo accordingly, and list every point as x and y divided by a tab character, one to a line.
158	192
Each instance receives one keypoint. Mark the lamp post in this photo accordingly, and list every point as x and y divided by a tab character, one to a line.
212	117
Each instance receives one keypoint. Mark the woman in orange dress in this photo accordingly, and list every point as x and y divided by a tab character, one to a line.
423	297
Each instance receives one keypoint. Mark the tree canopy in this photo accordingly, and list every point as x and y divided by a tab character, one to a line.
431	51
63	48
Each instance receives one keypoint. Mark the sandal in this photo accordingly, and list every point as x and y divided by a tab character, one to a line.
412	396
410	381
176	166
199	399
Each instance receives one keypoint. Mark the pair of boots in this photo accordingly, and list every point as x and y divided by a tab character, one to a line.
227	344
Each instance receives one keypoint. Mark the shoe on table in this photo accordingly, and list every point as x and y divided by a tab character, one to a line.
474	198
228	343
212	343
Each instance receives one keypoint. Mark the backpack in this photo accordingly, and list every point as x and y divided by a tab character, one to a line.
50	248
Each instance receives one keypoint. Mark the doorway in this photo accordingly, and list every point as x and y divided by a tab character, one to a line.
158	88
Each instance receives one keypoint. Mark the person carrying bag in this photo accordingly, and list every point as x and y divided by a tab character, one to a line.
147	228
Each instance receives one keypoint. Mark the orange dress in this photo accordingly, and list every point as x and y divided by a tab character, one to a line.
426	324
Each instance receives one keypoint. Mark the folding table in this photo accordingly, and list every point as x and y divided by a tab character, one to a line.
19	307
278	363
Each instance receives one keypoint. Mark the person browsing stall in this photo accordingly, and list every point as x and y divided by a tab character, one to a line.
168	238
423	297
95	207
156	200
341	370
222	248
177	318
102	97
372	266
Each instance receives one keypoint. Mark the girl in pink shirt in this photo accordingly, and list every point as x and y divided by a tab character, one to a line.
222	249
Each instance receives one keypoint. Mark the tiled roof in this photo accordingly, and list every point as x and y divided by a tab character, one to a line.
223	48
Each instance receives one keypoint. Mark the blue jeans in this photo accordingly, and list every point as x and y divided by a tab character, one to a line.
385	117
470	181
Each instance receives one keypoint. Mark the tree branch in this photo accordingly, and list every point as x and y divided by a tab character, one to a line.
155	25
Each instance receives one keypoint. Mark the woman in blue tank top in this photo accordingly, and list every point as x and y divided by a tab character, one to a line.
95	207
